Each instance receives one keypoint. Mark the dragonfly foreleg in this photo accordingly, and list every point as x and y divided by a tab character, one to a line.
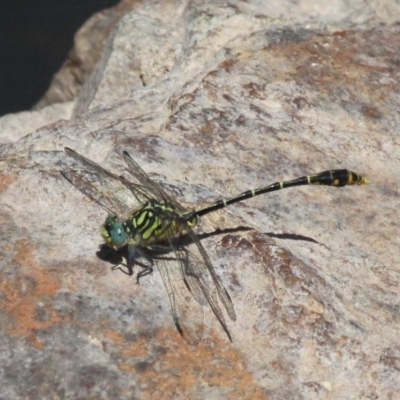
133	258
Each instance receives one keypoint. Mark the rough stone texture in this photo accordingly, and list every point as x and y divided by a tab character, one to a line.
15	126
88	48
212	98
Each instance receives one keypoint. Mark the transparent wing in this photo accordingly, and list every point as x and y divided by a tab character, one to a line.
200	275
201	278
206	265
187	313
136	171
152	187
103	187
198	270
191	274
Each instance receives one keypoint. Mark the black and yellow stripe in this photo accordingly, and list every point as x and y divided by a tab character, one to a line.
335	177
155	221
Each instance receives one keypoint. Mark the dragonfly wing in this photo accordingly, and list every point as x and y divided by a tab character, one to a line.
210	283
198	272
205	267
102	186
152	187
191	276
136	171
201	279
187	313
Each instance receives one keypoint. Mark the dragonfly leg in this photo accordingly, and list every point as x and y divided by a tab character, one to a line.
147	266
120	267
148	270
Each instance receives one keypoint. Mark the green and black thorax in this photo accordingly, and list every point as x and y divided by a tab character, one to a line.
152	222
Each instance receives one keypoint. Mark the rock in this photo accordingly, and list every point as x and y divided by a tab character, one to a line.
211	99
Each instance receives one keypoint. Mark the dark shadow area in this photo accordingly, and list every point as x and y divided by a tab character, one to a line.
120	257
117	257
198	275
36	37
290	236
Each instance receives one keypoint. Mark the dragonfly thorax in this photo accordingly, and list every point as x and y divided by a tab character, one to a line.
155	221
150	223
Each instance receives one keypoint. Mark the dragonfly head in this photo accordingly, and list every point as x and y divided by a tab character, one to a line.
113	232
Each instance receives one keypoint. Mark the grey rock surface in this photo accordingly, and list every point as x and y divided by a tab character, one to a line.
213	98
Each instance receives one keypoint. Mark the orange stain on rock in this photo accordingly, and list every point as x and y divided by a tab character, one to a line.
27	295
216	363
5	181
167	366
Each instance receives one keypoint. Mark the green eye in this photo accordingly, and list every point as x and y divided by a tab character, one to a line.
113	232
118	235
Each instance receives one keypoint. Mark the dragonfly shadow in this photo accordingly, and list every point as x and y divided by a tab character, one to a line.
111	255
117	257
185	240
161	250
291	236
177	251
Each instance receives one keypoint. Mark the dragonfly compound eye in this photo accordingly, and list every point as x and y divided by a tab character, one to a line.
118	235
113	232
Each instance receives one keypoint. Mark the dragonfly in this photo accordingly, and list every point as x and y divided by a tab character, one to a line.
152	229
